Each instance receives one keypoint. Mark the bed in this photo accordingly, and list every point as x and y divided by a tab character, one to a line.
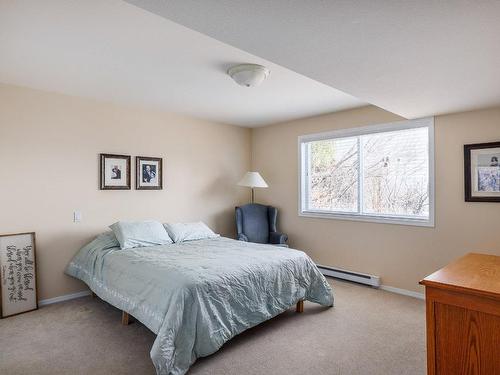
197	295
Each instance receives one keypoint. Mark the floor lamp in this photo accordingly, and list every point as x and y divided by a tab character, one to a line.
253	180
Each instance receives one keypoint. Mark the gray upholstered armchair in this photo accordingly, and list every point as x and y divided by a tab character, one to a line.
257	223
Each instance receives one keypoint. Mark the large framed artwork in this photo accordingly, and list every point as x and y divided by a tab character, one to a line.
149	173
482	172
18	287
114	172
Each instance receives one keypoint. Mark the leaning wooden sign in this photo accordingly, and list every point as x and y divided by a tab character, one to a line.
17	274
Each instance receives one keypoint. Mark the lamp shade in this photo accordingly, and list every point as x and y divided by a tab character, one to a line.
253	179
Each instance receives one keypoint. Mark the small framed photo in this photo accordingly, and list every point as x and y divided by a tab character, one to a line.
18	287
149	173
482	172
115	172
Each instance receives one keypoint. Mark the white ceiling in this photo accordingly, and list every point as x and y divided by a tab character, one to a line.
412	57
111	50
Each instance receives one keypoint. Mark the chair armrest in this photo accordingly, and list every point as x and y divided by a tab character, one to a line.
242	237
277	238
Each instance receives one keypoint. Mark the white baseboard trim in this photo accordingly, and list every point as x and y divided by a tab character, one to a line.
66	297
404	292
85	293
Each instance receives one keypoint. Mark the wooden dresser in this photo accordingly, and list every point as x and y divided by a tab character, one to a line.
463	317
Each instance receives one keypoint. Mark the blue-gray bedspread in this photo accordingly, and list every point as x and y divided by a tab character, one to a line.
197	295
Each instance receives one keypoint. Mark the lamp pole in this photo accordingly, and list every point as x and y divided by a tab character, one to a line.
252	195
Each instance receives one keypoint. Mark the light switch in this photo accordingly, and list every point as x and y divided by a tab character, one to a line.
77	216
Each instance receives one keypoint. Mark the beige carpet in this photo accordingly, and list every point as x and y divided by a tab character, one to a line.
368	332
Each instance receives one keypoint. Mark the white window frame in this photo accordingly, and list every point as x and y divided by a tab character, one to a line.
371	129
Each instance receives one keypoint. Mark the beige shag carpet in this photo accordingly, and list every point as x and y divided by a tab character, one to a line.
368	332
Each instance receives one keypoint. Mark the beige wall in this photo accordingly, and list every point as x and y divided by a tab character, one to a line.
49	146
401	255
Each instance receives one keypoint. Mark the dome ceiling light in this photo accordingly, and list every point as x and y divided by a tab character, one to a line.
248	75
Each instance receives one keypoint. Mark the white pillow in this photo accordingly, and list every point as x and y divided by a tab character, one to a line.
140	234
180	232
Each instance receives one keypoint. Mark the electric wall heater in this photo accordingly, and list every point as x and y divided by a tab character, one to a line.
357	277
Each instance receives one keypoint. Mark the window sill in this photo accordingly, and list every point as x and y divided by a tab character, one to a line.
369	219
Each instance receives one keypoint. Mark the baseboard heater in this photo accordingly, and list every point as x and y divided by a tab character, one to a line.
357	277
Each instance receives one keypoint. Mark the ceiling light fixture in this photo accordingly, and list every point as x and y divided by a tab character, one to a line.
248	75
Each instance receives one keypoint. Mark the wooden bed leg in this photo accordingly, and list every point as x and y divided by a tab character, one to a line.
125	318
300	307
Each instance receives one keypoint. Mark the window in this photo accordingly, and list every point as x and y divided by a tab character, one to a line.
381	173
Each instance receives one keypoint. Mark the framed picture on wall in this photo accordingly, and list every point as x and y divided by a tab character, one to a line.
149	173
482	172
114	172
18	287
